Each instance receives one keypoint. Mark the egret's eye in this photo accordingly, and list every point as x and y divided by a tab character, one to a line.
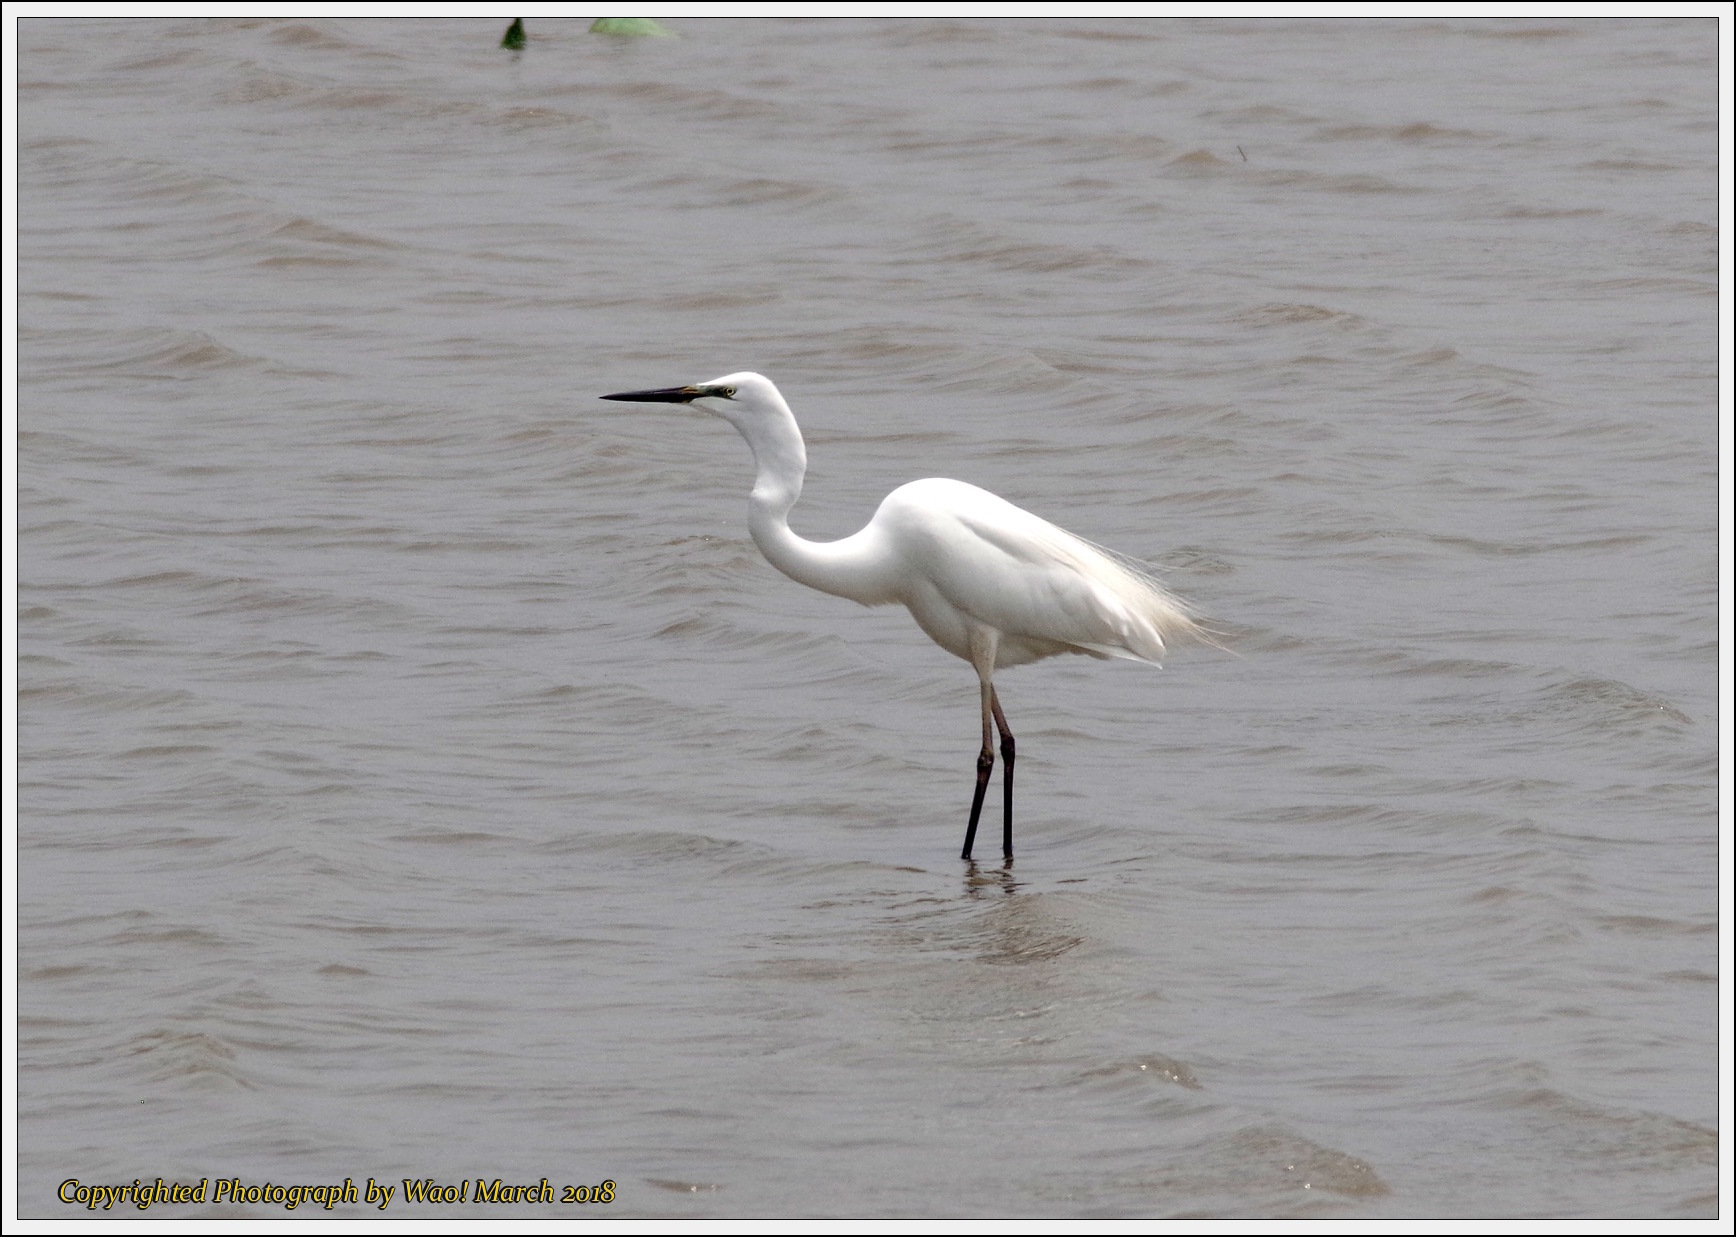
729	392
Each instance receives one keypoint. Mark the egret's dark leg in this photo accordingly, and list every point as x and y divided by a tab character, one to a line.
985	763
1006	773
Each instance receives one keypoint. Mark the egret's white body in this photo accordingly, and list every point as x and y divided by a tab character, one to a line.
988	581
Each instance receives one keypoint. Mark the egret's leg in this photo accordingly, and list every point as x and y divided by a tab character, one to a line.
1006	772
985	763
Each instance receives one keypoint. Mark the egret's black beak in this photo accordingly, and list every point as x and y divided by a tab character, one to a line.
666	395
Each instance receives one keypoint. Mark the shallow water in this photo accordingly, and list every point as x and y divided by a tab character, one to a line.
422	774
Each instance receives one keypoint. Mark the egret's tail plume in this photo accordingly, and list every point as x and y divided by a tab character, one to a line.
1157	618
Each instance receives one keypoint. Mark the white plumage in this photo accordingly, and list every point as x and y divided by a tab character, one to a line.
988	581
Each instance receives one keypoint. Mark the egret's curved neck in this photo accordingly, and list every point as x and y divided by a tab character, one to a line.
846	568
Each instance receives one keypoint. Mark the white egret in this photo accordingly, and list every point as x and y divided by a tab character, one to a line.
987	581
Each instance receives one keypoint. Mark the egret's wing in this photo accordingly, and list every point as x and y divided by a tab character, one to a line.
1057	587
1027	578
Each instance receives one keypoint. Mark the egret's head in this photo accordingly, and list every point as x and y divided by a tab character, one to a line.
734	397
